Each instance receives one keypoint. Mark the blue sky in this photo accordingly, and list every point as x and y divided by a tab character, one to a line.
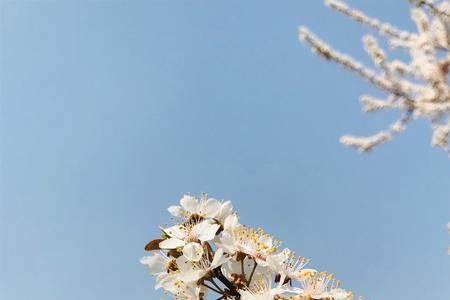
111	110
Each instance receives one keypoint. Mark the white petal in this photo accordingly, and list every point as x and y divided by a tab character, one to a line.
292	289
158	284
193	276
275	262
261	262
226	242
171	243
183	264
340	294
193	251
168	283
231	222
176	211
206	231
219	259
210	208
189	203
177	231
247	295
226	210
156	263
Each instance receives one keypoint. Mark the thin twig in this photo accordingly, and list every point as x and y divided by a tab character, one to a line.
253	272
242	268
212	289
216	285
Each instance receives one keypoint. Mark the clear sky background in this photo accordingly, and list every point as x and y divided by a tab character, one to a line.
111	110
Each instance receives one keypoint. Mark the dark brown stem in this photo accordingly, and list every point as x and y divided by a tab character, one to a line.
216	285
242	268
213	289
253	272
232	289
209	250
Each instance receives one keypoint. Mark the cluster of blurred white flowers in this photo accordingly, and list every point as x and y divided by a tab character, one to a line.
418	87
209	254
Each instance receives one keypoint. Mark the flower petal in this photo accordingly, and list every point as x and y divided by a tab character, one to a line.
177	211
171	243
231	222
219	259
183	264
275	262
193	251
193	276
226	210
156	263
189	203
210	208
177	231
227	242
206	231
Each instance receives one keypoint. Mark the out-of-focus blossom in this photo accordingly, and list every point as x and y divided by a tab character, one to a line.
418	87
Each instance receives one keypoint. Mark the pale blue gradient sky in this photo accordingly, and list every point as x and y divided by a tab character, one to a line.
111	110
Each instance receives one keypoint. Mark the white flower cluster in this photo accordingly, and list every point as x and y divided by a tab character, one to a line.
418	87
209	252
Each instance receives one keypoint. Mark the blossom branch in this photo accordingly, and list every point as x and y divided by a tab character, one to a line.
419	87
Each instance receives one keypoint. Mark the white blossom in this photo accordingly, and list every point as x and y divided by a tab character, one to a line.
255	243
261	289
189	205
321	285
209	252
286	265
189	237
